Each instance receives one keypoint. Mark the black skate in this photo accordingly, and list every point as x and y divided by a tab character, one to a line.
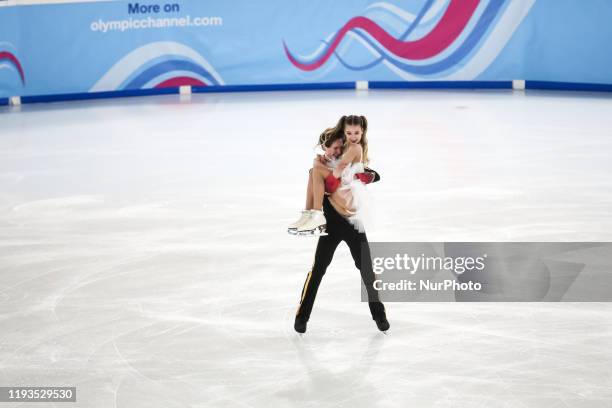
300	325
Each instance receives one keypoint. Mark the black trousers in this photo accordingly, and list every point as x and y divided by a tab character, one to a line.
338	230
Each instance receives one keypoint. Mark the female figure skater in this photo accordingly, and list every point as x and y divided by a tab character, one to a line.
337	215
332	143
328	173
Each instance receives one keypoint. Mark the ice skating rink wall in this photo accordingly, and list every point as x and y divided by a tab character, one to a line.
60	50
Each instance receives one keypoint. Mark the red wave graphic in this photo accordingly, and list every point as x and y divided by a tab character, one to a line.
447	30
7	55
180	81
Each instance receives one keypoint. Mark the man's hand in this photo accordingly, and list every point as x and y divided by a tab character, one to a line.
365	177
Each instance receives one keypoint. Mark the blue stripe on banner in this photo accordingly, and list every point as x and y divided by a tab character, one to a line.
568	86
440	85
168	66
4	101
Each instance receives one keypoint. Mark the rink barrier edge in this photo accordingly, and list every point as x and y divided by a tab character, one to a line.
440	84
544	85
274	87
97	95
568	86
176	90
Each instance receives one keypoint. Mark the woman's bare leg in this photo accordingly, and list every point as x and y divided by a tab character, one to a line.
309	196
318	186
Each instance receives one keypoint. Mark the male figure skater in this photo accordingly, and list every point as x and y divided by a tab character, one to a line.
339	229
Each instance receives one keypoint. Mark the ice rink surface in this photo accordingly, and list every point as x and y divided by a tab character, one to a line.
144	257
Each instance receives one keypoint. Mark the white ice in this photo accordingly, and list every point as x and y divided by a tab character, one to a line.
144	257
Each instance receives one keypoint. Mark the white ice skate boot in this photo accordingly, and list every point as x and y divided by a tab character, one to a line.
292	229
314	225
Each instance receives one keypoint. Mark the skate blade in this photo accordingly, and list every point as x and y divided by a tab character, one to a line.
292	231
317	232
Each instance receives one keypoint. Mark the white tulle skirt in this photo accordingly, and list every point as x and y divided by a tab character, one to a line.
357	197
